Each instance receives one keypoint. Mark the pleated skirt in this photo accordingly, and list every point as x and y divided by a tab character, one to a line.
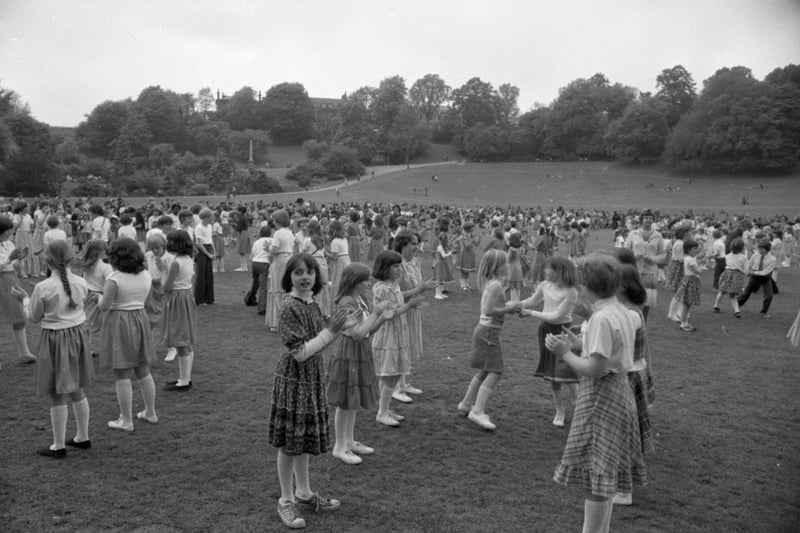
180	319
63	361
275	292
126	340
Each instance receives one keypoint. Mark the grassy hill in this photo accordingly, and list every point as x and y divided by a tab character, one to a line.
586	184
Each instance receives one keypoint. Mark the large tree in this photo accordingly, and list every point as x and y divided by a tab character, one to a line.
581	113
163	113
31	168
676	89
506	104
737	124
475	102
389	99
289	113
428	94
242	111
96	134
640	134
408	136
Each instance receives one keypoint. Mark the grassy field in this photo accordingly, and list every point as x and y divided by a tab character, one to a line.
574	185
726	420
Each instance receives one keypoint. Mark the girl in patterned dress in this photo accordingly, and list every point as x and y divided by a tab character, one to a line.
391	344
23	239
731	281
298	419
467	242
352	384
442	263
126	344
514	281
11	311
377	238
64	363
688	293
675	271
603	451
411	283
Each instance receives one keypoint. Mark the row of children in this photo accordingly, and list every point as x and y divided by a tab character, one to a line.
108	313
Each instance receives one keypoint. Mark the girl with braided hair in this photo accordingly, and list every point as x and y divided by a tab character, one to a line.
64	362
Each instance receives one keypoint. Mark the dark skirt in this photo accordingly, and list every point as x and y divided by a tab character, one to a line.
487	353
603	453
551	367
351	379
204	278
127	340
64	361
298	419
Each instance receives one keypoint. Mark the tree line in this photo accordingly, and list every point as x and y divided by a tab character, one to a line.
165	142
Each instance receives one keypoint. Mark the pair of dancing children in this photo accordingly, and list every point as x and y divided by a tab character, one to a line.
64	366
365	343
609	433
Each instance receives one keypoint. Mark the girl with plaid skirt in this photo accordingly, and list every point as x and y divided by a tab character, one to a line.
603	451
732	279
688	293
298	419
675	271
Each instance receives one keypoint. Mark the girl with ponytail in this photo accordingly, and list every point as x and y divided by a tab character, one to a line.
64	362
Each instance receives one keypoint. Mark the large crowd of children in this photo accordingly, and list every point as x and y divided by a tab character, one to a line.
346	280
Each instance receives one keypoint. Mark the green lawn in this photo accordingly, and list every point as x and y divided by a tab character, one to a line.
726	424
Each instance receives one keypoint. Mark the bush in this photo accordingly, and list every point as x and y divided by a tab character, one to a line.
342	160
307	172
88	188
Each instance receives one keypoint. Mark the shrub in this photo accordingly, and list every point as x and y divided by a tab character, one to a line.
307	172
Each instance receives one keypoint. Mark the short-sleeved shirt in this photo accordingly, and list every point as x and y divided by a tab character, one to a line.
610	332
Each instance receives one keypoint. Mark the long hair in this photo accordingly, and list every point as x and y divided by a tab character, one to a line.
352	275
58	255
91	253
564	272
492	265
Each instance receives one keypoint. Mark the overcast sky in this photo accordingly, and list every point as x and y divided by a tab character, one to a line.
65	57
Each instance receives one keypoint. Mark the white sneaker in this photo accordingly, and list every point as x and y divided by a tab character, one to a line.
401	396
348	457
558	421
387	420
361	449
171	353
464	408
409	389
482	420
396	416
